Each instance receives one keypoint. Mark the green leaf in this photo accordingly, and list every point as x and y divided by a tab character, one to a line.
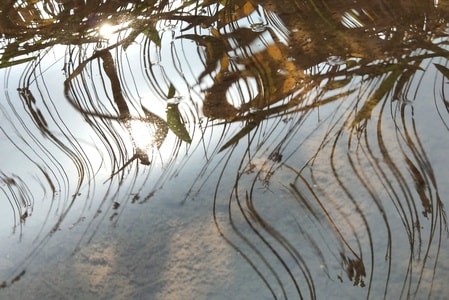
444	70
171	91
153	35
6	64
176	124
334	84
249	126
384	88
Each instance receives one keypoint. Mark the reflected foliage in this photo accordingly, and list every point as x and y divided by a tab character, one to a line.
313	118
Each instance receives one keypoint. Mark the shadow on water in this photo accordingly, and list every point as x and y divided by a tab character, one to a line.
315	131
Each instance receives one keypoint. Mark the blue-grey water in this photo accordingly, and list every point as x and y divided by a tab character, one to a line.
253	150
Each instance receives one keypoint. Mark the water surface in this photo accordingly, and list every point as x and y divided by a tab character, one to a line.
223	150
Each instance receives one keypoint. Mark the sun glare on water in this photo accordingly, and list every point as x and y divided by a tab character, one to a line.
106	30
142	134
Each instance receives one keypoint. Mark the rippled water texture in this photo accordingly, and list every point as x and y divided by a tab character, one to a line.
224	149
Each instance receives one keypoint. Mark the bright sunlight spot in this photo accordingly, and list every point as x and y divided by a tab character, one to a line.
142	134
106	30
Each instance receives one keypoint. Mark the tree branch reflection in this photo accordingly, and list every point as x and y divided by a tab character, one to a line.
311	133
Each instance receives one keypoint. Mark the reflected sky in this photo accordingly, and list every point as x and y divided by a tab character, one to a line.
209	151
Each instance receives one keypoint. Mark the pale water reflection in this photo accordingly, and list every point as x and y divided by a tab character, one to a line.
211	150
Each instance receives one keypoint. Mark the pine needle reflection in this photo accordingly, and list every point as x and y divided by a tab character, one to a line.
313	136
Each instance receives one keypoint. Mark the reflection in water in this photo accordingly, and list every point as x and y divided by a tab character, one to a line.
312	122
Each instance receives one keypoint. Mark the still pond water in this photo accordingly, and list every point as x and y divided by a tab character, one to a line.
224	149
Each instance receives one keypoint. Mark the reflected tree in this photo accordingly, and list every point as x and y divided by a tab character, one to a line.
317	107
